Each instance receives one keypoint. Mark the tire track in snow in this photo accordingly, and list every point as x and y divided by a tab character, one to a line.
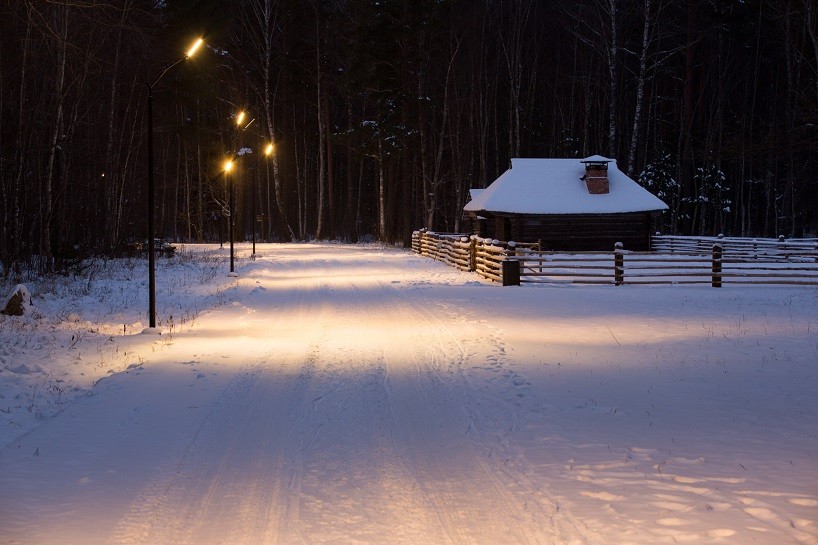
490	480
371	430
355	488
235	480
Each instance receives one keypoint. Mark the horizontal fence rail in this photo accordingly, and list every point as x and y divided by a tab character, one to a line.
676	260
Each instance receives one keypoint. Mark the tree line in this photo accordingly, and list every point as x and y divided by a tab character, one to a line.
383	113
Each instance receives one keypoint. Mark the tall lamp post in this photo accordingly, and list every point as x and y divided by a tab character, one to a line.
268	151
151	244
228	166
240	117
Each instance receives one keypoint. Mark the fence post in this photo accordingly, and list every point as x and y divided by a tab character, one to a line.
619	264
424	241
473	253
510	268
432	238
511	272
717	253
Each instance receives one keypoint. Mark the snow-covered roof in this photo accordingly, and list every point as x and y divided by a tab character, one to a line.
554	186
473	193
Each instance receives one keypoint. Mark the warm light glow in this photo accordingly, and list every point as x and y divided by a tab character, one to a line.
228	165
240	118
194	47
269	150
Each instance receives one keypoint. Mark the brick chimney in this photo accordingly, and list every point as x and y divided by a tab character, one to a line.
596	175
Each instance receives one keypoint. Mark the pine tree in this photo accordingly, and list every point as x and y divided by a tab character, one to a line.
658	178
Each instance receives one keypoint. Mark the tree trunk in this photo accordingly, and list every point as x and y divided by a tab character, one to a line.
640	89
614	82
381	194
330	175
16	229
46	210
322	151
267	101
811	22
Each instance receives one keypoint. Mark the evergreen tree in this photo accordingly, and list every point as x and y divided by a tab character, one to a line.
659	178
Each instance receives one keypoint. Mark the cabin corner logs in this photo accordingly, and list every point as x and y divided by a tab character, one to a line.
675	260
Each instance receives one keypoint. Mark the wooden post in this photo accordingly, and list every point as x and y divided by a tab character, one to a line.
717	253
619	264
510	268
511	272
473	253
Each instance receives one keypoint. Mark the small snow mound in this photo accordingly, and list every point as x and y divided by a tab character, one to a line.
18	302
151	331
73	317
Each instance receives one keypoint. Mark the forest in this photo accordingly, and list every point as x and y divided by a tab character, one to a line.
382	114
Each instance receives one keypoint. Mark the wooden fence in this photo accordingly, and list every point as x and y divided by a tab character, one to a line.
624	267
681	261
769	249
469	253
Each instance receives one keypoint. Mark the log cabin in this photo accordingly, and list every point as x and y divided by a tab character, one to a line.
566	205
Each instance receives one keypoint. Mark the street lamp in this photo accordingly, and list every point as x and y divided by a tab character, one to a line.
268	151
151	243
228	166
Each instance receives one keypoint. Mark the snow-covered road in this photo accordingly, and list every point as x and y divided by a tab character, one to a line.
350	394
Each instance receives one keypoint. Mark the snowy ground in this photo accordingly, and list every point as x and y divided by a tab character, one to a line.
354	394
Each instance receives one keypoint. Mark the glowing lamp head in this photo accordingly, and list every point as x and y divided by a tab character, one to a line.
194	47
269	149
228	165
240	118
